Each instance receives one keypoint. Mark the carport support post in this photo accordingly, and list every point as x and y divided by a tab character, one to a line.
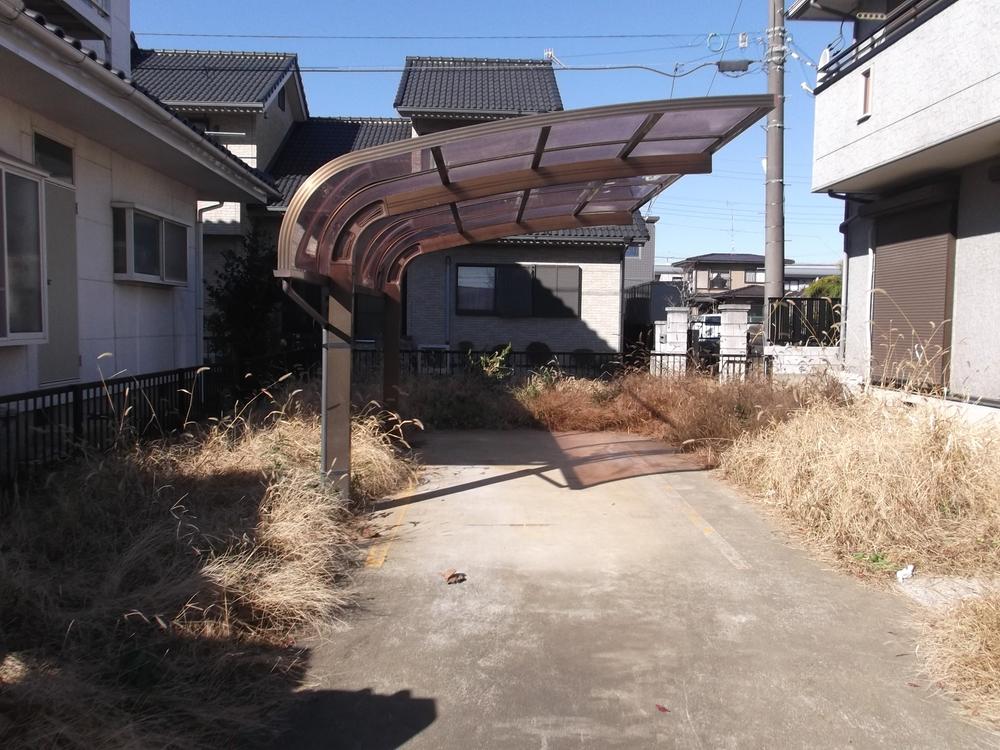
391	324
335	456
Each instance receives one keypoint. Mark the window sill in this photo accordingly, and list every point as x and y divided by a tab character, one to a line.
140	280
24	339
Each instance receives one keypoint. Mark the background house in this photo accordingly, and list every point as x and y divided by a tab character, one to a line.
100	184
907	130
714	278
561	289
247	101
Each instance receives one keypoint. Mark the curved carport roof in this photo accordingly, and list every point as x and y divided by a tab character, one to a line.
358	220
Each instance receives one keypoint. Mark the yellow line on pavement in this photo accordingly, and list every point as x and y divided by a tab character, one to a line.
378	553
727	550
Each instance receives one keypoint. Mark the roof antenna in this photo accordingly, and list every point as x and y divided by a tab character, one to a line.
550	55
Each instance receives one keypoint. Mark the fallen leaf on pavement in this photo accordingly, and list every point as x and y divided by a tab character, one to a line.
452	576
662	709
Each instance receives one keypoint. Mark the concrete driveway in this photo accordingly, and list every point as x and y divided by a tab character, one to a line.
616	597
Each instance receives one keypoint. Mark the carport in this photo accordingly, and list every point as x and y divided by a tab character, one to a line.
356	223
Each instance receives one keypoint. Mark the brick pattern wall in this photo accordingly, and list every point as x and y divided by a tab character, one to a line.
431	318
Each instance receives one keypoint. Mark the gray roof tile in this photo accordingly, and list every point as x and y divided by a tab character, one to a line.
313	143
181	77
604	234
726	258
477	87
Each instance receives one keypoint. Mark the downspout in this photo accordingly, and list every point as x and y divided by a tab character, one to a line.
447	301
199	272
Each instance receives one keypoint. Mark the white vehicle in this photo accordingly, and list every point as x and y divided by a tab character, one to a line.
708	326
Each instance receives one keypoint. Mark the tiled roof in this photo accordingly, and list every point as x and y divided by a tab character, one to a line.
726	258
609	234
477	87
187	77
79	45
313	143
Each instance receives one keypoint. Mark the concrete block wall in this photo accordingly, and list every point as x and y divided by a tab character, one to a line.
803	360
671	342
432	321
143	327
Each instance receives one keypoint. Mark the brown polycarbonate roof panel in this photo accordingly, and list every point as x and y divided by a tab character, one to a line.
361	217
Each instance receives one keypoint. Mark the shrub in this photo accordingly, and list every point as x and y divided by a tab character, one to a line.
892	482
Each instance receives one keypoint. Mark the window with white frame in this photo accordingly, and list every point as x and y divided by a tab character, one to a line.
755	276
22	257
148	248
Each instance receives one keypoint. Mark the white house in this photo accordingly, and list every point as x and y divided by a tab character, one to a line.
907	133
100	183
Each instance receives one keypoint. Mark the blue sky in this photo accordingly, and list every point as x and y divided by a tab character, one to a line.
701	213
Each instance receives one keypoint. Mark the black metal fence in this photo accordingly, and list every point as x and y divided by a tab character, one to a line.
44	426
40	427
805	321
367	363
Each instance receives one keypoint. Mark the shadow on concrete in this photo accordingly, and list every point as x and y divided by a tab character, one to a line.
584	459
356	720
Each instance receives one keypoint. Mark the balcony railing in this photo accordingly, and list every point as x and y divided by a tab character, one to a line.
902	21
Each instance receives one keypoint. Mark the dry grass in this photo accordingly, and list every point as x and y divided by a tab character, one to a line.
697	412
152	597
962	647
380	454
881	485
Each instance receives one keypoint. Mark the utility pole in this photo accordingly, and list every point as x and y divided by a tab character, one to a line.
774	191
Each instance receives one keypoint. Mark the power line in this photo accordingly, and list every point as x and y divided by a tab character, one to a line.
725	44
427	68
416	37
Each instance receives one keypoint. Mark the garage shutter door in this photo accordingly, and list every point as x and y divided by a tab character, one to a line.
910	323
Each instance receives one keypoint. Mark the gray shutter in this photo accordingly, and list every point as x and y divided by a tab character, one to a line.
911	307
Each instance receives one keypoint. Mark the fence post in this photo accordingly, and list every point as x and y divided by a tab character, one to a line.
77	414
670	344
733	338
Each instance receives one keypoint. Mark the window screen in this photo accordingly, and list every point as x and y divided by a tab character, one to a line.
514	291
146	230
174	252
556	292
476	289
119	220
24	254
54	157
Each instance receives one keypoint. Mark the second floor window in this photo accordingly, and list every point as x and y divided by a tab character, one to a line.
866	94
755	276
718	280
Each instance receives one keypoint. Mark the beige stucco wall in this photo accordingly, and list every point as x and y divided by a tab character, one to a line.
430	322
975	357
145	328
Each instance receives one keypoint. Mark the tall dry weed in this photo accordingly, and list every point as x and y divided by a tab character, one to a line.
153	596
874	481
962	648
697	412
